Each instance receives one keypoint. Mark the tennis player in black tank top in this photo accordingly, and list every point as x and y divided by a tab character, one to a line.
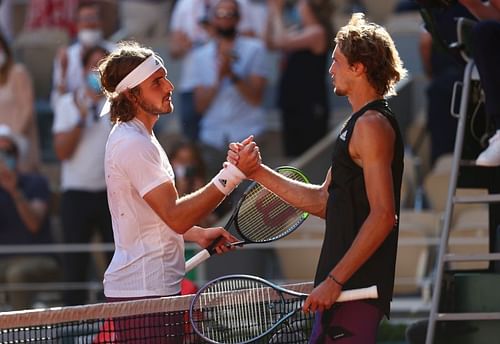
360	195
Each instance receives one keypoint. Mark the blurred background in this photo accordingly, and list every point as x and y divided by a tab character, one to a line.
46	41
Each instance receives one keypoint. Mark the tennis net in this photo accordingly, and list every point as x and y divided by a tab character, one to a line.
162	320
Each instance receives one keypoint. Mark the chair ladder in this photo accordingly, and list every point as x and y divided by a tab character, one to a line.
452	199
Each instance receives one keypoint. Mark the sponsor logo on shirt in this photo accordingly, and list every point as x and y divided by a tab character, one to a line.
343	135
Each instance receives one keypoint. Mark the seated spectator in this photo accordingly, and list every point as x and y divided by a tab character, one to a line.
302	92
229	77
190	172
49	14
24	220
16	107
79	141
486	54
68	70
188	166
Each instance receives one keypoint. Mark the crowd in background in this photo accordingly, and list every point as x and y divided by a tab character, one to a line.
226	68
225	72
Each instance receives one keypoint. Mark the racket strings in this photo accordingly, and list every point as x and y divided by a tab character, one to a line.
237	310
263	216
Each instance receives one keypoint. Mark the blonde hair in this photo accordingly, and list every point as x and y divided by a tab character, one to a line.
372	46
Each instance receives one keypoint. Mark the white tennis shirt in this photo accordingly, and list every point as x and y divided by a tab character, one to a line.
149	255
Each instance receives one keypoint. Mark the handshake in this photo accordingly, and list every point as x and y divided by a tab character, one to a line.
242	162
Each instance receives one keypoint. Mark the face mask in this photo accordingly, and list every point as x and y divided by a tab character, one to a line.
89	37
3	59
94	82
227	32
9	160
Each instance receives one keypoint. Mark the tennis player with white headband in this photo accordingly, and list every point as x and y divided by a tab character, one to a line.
150	220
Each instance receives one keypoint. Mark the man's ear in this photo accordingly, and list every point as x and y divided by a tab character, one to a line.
358	68
131	96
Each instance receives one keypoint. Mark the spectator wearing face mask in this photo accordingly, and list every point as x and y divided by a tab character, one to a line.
16	107
68	69
190	29
24	220
79	140
230	75
190	172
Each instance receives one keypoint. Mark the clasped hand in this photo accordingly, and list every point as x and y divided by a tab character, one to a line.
245	155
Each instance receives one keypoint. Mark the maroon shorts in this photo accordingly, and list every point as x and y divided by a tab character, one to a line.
353	322
156	328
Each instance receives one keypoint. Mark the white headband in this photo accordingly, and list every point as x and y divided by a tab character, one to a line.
140	73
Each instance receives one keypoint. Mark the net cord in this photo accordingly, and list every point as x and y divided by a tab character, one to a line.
55	315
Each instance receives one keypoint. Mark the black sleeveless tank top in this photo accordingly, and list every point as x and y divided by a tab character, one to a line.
348	207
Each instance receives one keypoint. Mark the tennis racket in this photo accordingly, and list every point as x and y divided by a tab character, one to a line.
260	217
242	308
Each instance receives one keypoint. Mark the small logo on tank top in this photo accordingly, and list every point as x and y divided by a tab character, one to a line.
343	135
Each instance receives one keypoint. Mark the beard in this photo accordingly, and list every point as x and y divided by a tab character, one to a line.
152	109
228	33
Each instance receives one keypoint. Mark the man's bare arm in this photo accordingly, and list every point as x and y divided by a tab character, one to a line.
181	214
372	145
307	197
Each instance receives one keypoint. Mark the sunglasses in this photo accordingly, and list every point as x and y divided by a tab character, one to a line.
225	14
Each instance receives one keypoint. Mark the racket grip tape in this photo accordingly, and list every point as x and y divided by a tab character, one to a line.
203	255
359	294
197	259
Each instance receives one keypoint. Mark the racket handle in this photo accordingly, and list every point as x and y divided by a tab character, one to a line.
203	255
197	259
359	294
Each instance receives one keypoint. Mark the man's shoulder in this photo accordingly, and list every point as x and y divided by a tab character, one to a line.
74	49
205	49
373	118
125	137
251	42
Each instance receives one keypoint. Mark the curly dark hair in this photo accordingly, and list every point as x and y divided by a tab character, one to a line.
116	66
372	46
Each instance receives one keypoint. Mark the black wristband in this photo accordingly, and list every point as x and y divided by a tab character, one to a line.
330	276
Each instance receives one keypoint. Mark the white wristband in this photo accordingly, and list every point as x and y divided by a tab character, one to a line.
228	178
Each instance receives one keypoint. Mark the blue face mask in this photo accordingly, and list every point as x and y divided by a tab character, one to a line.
9	160
94	82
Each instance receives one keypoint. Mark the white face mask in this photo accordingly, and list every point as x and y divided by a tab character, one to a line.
3	59
89	37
